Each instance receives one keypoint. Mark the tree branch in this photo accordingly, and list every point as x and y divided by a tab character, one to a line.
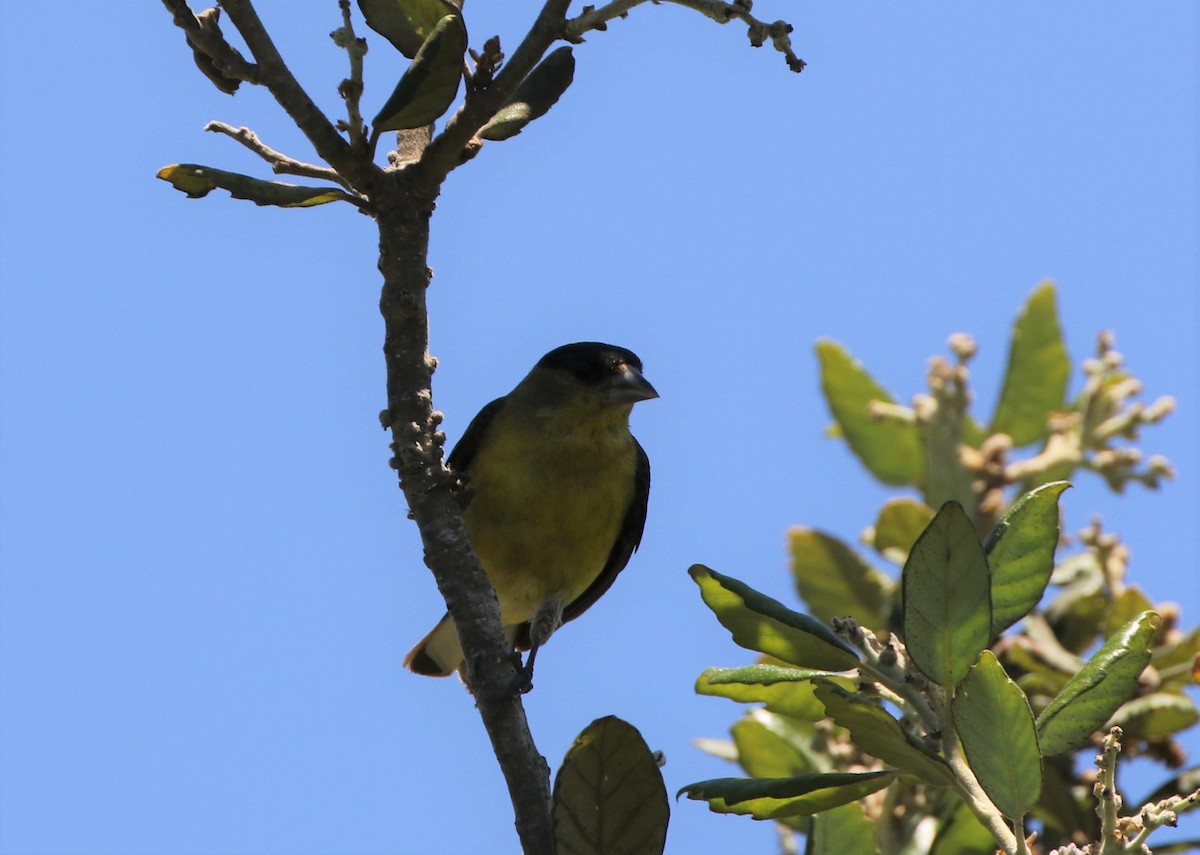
402	205
281	164
353	165
429	488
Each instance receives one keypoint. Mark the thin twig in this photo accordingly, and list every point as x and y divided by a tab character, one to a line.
759	32
351	89
280	162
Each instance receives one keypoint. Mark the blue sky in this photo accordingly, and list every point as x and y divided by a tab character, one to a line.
208	578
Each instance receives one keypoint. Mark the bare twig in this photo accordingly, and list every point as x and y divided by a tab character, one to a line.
351	88
759	32
280	163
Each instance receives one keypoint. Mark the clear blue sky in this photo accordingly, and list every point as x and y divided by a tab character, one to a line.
208	578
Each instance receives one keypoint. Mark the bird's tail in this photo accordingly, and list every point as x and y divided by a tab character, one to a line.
439	654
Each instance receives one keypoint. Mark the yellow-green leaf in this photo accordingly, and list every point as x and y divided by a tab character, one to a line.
609	794
1035	383
760	623
890	449
999	737
538	92
961	833
197	181
788	691
1096	691
1156	715
842	830
773	746
1021	554
877	733
946	600
430	83
773	798
899	524
834	581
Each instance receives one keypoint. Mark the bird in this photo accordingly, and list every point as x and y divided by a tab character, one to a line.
556	493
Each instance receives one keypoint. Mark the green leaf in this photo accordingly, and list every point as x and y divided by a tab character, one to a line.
947	613
890	449
430	83
842	830
405	23
1035	383
877	733
961	833
1127	605
1156	715
898	526
1178	662
197	181
772	798
996	726
538	92
1096	691
760	623
1021	554
788	691
609	794
772	746
834	581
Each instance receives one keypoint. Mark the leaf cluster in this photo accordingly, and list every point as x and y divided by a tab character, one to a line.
948	705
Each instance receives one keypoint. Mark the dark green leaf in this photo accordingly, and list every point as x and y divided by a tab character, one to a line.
760	623
996	726
880	735
197	181
1099	688
834	581
772	798
890	449
430	83
609	794
842	830
898	526
1035	383
534	97
1021	554
405	23
788	691
947	613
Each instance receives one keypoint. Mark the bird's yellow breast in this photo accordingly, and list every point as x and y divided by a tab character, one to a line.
548	498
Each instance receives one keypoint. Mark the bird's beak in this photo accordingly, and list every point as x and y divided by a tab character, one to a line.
629	387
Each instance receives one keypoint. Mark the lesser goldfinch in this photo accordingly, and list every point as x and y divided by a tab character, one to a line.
556	490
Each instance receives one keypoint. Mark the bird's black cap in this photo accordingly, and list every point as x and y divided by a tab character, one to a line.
593	362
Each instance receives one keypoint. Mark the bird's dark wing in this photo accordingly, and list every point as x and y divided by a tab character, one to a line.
628	539
464	451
